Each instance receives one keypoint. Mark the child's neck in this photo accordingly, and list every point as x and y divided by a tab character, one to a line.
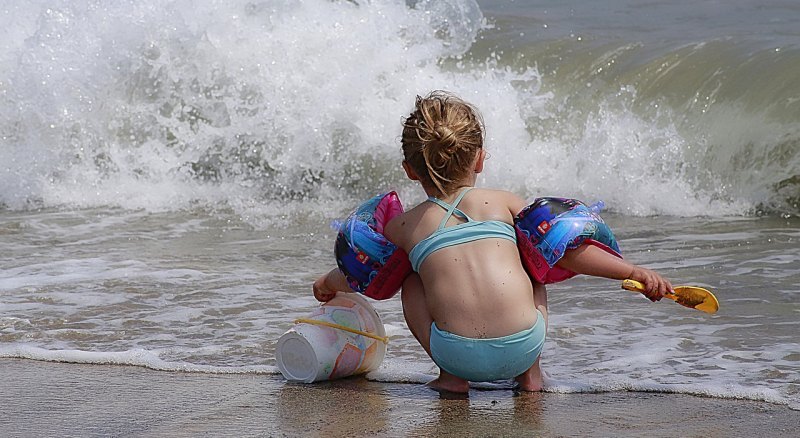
432	191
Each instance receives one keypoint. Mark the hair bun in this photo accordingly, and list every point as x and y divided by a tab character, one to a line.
446	137
441	138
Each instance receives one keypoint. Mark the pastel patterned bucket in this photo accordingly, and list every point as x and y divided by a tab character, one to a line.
343	337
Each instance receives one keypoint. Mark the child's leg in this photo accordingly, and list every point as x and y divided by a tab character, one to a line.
419	319
532	380
540	299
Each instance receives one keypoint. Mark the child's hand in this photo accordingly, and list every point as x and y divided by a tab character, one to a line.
322	292
655	286
325	287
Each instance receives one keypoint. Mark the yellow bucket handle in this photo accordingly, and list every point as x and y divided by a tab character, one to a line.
384	339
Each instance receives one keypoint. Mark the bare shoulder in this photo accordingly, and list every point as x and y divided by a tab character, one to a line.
399	229
512	201
404	229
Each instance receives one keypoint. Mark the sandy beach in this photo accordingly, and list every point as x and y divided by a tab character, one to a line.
53	399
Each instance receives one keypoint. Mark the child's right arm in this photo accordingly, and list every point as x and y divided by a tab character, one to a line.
325	287
591	260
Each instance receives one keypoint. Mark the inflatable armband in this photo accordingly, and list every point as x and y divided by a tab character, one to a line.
372	265
549	227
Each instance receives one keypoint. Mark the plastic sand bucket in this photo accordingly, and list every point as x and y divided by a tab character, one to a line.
343	337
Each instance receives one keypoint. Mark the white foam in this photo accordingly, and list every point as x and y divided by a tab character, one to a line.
621	384
134	357
91	269
162	106
395	329
399	371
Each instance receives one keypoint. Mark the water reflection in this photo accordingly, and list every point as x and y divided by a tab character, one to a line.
484	414
346	407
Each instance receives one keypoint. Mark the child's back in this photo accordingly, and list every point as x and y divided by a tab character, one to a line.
477	288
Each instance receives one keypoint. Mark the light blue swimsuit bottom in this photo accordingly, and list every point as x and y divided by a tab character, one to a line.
487	359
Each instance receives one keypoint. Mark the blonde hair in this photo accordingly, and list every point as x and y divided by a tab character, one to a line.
441	138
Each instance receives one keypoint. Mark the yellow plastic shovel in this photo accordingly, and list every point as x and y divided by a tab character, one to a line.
688	296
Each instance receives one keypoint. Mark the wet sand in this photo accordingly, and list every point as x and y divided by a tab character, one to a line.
53	399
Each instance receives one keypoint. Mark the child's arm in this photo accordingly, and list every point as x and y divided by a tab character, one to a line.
325	287
591	260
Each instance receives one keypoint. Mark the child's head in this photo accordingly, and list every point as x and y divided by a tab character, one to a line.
441	140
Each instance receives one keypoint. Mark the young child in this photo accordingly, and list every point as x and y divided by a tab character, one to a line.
469	302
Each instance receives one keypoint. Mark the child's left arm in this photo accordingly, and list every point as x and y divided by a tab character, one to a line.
515	203
591	260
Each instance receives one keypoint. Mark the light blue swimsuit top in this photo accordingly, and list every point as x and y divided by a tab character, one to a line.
468	231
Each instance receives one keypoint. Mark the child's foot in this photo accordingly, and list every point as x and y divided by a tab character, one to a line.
450	383
531	380
532	385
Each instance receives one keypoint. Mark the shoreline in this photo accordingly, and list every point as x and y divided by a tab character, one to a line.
60	399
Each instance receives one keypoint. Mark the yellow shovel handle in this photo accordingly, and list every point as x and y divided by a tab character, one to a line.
384	339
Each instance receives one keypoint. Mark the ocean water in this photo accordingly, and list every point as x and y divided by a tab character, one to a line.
169	171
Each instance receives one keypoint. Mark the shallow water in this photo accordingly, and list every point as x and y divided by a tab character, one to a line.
198	292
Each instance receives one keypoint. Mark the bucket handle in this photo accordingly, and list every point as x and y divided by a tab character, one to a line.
384	339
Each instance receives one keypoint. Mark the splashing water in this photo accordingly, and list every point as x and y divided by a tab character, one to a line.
165	105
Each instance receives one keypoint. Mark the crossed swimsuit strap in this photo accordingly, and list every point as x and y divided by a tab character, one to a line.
451	208
468	231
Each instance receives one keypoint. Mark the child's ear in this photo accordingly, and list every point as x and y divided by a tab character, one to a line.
410	172
479	160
